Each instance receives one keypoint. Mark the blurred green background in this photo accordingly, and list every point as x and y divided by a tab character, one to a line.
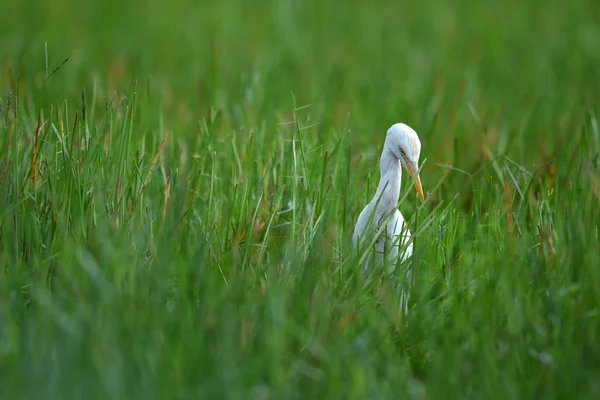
165	306
370	64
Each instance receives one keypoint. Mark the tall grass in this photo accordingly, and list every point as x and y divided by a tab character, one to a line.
179	185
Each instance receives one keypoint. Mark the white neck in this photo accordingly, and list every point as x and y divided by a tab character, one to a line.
389	183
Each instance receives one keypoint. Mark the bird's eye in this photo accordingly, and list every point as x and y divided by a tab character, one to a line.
401	150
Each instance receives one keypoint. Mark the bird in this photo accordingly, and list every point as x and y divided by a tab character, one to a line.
402	148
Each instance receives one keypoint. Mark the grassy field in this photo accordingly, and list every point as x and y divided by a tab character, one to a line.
179	183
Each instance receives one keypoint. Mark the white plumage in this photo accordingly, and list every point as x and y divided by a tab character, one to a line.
402	147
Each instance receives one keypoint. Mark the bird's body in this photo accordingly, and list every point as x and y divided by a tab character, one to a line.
402	148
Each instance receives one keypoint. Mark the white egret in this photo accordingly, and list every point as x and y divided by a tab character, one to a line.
402	147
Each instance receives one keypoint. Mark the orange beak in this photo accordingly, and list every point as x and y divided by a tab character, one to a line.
412	171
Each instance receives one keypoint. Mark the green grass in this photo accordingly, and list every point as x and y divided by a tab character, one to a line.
177	199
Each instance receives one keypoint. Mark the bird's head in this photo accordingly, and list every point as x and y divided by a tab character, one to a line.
404	143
